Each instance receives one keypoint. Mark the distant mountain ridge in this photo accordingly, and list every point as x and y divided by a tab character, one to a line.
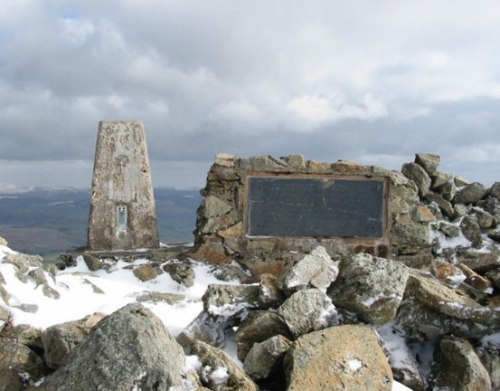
47	221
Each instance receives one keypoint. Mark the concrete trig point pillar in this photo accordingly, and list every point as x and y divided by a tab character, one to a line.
122	207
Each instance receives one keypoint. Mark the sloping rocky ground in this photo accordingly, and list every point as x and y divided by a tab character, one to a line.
355	322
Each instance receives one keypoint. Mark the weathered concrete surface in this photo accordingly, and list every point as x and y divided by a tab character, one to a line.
122	211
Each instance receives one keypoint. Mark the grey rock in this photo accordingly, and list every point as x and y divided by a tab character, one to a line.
456	367
25	307
338	358
18	358
461	181
449	230
471	230
230	300
24	334
315	270
459	210
24	262
489	354
441	178
266	357
494	235
215	207
448	190
479	261
370	286
258	327
430	309
495	190
203	328
38	276
418	175
93	263
161	297
484	219
180	273
494	276
470	194
218	372
128	349
308	310
59	340
428	161
10	380
445	206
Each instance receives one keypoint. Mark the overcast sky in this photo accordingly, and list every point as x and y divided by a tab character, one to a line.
368	81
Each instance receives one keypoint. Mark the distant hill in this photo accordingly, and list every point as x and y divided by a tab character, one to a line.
50	221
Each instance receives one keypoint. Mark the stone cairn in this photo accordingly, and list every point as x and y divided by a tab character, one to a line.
329	322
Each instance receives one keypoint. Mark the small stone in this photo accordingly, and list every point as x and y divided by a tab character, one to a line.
145	272
471	230
93	263
440	178
428	161
459	210
461	181
225	160
495	190
418	175
470	194
180	273
423	214
484	219
266	357
449	230
447	190
475	280
445	206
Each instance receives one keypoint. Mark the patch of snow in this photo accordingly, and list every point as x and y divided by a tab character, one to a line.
399	387
456	280
493	339
193	363
355	364
219	375
327	317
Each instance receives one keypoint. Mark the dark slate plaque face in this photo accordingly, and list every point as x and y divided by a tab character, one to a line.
315	207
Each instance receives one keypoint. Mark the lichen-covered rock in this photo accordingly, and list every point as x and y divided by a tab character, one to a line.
370	286
430	309
315	270
3	242
230	300
428	161
258	327
59	340
128	349
418	175
445	206
495	190
456	367
218	372
266	357
338	358
494	276
471	230
484	219
24	334
18	358
308	310
180	273
470	194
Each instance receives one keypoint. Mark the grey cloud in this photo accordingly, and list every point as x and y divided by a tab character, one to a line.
352	80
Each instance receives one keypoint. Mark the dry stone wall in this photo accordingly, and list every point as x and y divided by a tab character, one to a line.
221	230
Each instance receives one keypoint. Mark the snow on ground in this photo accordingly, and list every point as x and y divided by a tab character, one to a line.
78	287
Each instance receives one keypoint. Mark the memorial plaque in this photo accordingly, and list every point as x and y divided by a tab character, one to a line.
315	207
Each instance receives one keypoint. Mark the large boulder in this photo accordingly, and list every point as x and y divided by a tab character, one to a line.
370	286
456	367
315	270
129	349
338	358
218	372
430	309
59	340
308	310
